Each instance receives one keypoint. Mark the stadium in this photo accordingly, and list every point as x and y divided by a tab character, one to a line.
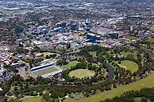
46	70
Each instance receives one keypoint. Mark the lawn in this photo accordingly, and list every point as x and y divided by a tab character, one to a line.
138	99
150	40
143	83
45	71
69	65
125	54
131	37
12	88
93	53
95	64
33	99
130	65
152	28
131	47
81	73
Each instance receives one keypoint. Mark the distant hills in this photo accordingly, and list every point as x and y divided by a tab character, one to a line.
140	0
114	1
129	1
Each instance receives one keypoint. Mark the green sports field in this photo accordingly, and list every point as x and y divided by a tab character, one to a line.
81	73
45	71
69	65
130	65
33	99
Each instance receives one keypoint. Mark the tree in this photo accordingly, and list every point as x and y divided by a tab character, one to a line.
46	56
144	99
15	88
61	62
46	96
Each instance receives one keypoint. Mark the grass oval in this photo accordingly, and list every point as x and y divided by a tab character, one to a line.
81	73
130	65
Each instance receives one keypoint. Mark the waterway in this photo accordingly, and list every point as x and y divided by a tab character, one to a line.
110	72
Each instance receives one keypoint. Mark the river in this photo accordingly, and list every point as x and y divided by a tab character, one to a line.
110	72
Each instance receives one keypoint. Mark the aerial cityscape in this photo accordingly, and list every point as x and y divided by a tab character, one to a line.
76	50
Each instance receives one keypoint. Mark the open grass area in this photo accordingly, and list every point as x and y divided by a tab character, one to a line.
12	88
139	99
131	37
79	57
131	47
95	64
150	40
93	53
46	53
81	73
152	28
33	99
130	65
69	65
143	83
45	71
125	54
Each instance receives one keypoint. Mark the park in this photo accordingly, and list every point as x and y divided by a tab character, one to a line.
95	73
